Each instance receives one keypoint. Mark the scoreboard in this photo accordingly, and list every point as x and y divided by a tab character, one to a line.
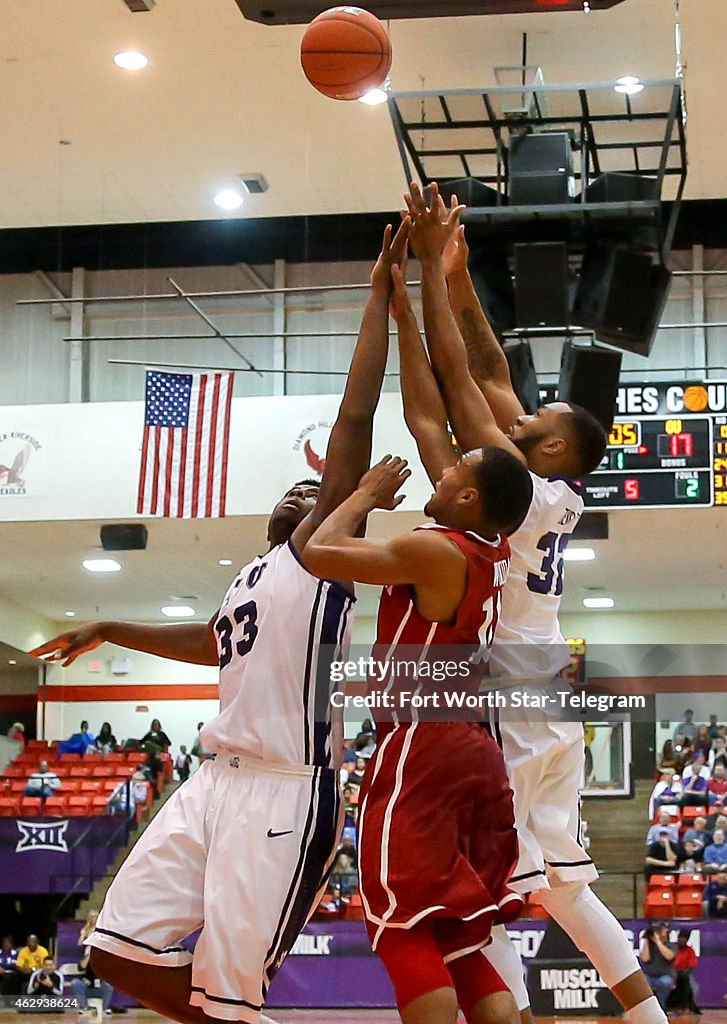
676	458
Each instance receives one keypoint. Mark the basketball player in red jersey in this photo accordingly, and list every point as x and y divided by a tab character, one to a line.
437	842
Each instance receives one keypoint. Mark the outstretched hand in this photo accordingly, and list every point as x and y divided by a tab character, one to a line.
432	226
399	304
456	251
393	254
383	480
69	645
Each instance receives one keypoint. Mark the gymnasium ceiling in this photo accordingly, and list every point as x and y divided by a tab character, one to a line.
87	143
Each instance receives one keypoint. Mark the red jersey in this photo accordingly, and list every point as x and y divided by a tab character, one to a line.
439	662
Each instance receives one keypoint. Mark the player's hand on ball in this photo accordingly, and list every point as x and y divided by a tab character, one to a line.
383	480
70	645
432	226
393	254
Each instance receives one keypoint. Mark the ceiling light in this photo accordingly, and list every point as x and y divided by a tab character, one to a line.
12	661
225	561
579	554
629	85
101	565
70	615
228	199
598	602
130	60
177	611
374	97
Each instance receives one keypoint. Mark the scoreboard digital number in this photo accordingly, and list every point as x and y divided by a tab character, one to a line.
655	462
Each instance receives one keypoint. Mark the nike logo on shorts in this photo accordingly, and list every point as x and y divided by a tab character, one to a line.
273	835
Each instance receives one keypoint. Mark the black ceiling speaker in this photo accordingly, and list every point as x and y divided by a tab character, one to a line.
541	284
522	374
298	12
123	537
589	377
491	278
621	295
541	169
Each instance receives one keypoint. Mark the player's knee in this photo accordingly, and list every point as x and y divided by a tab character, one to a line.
413	963
564	895
496	1008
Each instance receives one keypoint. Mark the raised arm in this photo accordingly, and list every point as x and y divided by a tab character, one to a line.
485	357
469	412
424	410
424	559
349	447
193	642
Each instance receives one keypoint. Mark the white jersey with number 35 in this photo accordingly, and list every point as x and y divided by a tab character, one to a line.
528	642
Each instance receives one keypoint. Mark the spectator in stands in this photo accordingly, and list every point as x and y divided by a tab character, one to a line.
156	737
703	741
78	742
198	750
695	779
106	741
669	759
183	764
356	777
17	732
686	990
719	821
715	896
698	833
367	730
717	787
87	984
685	730
661	856
718	753
663	825
349	754
42	783
715	855
657	960
31	956
667	791
45	980
713	727
9	977
690	857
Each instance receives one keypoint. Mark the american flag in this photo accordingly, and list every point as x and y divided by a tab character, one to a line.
186	441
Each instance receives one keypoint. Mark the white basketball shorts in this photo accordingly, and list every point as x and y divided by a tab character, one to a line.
544	761
241	851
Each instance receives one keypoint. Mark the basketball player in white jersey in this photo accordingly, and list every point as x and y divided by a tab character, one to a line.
243	848
544	758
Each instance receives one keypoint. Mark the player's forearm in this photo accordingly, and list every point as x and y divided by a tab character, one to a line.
190	642
485	357
333	550
368	365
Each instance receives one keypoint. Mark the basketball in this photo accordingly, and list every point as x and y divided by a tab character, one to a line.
695	398
345	52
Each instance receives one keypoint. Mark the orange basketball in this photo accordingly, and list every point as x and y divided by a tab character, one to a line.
345	52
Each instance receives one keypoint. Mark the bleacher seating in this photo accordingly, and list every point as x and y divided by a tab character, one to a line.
659	903
689	902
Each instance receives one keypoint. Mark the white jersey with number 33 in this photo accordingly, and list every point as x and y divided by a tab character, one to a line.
277	632
528	642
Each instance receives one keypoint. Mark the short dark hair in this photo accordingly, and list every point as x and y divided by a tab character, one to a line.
505	487
589	437
306	483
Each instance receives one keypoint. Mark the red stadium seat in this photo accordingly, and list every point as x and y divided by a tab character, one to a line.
71	786
80	771
115	757
100	804
18	786
71	758
37	745
690	813
29	807
78	806
662	882
689	903
92	759
135	757
108	785
9	807
91	786
674	814
61	770
54	805
691	881
14	771
354	908
659	903
104	771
